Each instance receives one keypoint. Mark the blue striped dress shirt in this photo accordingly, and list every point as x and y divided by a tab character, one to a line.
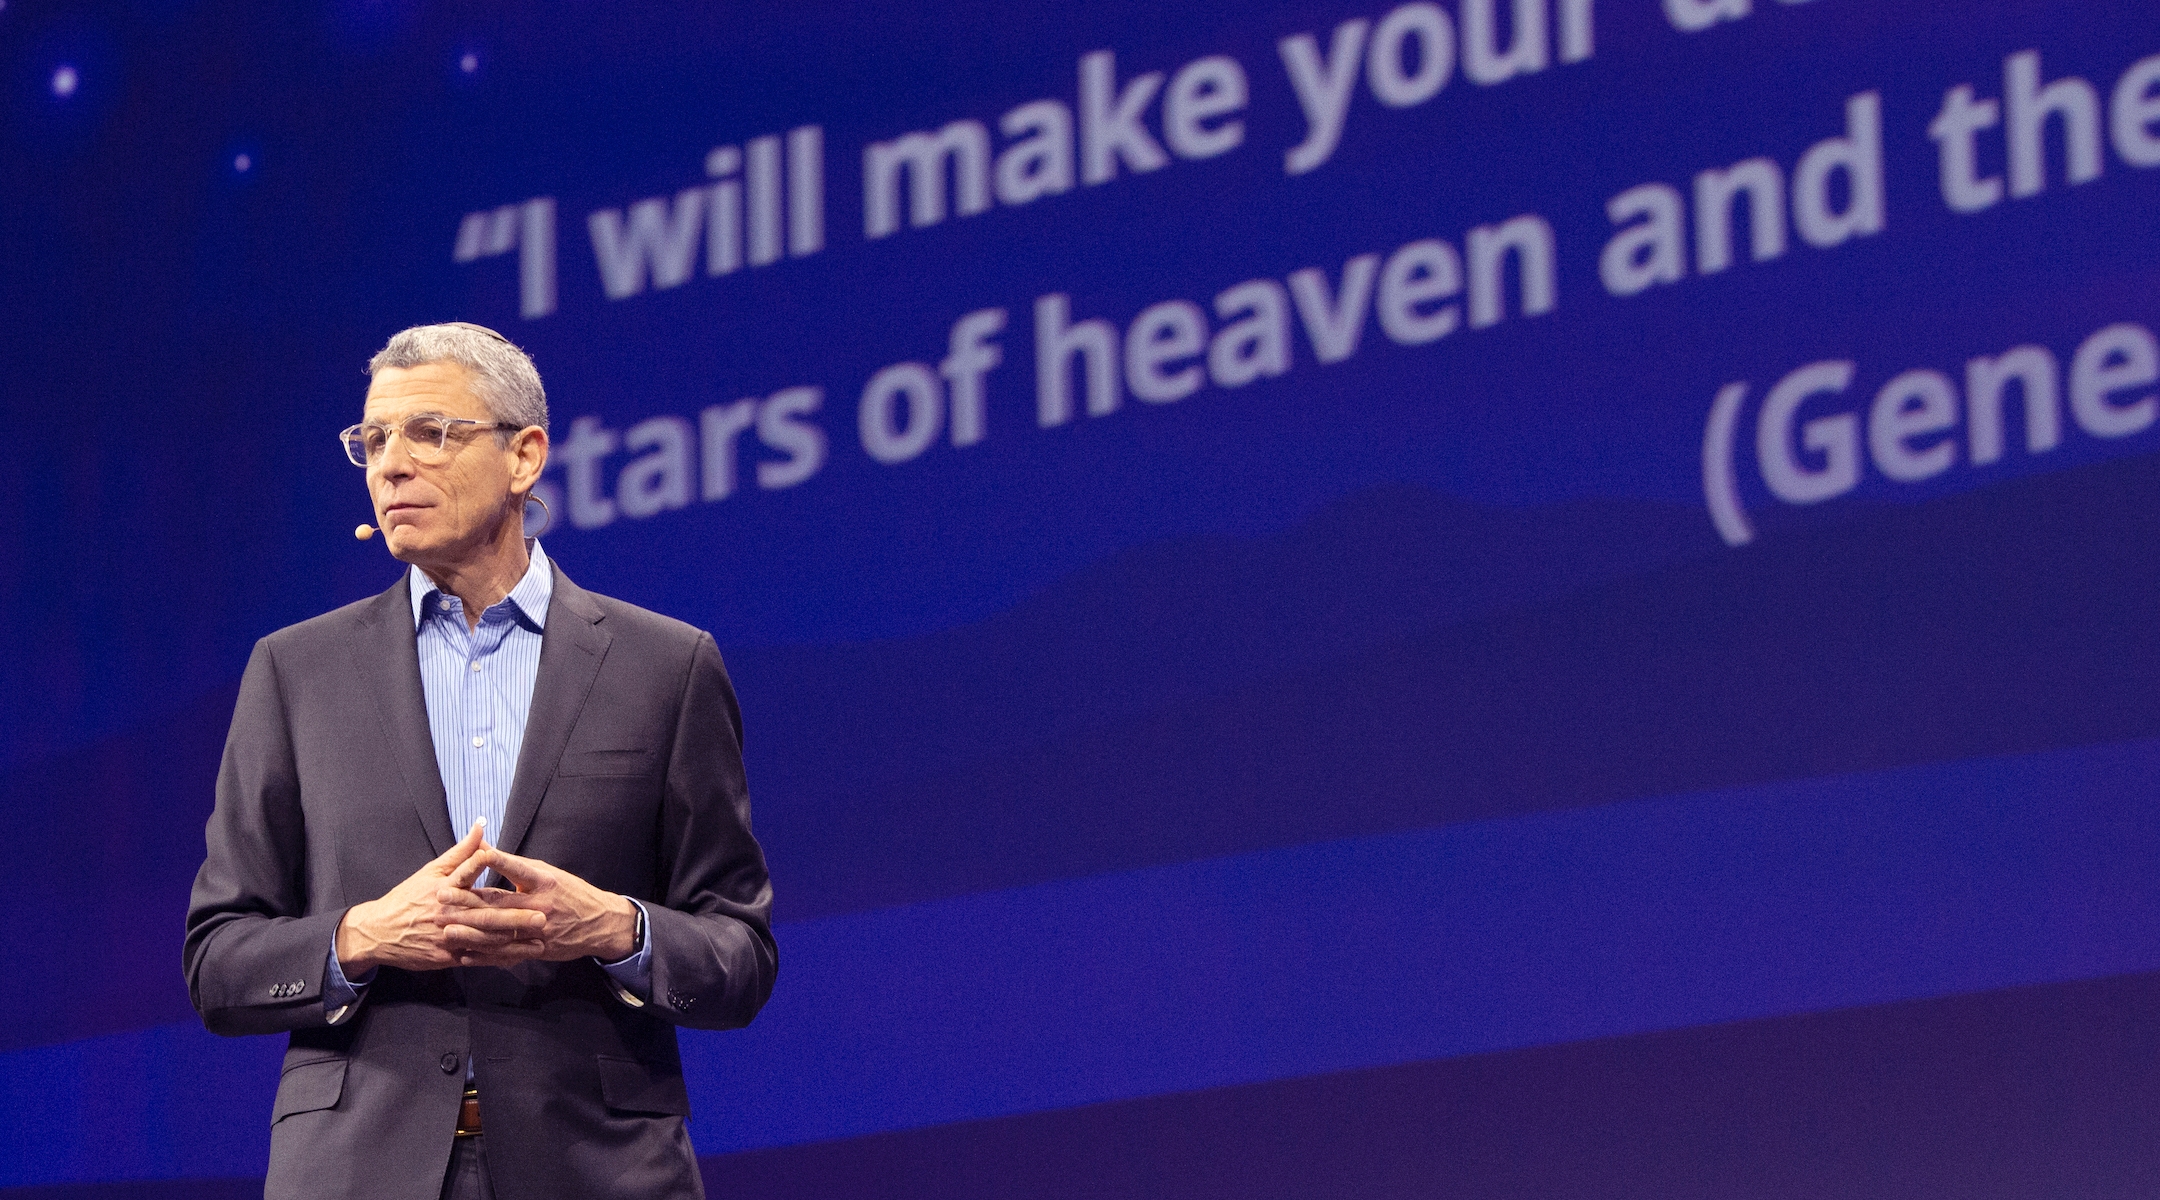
478	685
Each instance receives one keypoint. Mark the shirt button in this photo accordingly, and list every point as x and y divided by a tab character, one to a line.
449	1063
478	741
476	666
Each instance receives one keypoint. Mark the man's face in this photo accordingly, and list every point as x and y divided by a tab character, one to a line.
444	513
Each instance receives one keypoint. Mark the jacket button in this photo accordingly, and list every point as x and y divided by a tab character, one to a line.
449	1063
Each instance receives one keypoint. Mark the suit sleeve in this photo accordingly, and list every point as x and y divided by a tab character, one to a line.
254	955
712	953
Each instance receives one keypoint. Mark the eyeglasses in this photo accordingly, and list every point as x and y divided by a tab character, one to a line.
427	437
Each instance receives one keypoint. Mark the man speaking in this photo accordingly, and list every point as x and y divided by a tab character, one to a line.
489	1014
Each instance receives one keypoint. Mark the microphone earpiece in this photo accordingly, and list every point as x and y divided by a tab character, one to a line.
364	532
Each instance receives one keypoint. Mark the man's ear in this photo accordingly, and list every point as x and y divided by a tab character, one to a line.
528	457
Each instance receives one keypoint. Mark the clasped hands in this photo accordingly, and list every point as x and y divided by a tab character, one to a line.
436	918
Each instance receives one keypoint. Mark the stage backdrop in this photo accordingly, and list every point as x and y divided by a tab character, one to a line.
1481	598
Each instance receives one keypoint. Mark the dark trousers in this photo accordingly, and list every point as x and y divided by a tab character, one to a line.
467	1178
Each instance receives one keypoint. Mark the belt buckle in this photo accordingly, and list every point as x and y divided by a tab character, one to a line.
468	1122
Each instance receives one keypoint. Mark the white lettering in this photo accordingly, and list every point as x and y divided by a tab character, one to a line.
723	226
666	244
885	436
2029	106
1914	404
1836	438
1204	90
1041	162
2117	359
1426	27
970	355
1110	126
1651	251
1694	16
1418	274
1530	240
1714	195
806	190
1859	155
718	427
659	480
2035	372
581	452
1483	60
763	176
1057	340
783	425
2134	110
1171	332
1578	38
1323	90
1334	327
1256	344
923	156
1955	129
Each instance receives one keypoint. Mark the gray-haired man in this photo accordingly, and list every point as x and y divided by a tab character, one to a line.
450	1039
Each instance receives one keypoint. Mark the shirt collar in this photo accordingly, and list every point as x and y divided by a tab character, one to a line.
530	597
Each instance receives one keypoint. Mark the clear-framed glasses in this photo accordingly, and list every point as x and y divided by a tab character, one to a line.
428	438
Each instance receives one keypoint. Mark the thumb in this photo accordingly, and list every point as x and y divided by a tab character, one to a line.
524	872
466	873
474	840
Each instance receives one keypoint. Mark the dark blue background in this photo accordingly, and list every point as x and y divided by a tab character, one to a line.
1377	780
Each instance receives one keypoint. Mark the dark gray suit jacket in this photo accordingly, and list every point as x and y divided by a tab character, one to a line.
630	777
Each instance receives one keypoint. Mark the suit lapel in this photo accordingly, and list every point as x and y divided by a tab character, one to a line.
388	656
570	655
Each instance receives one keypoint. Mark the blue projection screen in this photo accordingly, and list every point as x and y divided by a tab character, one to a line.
1487	598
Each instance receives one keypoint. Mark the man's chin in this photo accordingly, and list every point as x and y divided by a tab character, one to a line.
407	544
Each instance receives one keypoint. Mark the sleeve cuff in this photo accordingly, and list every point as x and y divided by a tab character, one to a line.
632	976
341	997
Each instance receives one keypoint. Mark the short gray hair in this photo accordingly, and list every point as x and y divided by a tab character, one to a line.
503	377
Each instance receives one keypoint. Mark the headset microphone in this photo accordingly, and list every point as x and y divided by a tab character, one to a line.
364	532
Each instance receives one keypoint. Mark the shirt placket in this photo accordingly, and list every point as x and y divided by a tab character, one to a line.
457	774
479	715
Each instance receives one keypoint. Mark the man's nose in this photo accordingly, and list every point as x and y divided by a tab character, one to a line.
394	461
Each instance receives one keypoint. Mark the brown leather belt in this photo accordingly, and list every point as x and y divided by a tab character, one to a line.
468	1114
